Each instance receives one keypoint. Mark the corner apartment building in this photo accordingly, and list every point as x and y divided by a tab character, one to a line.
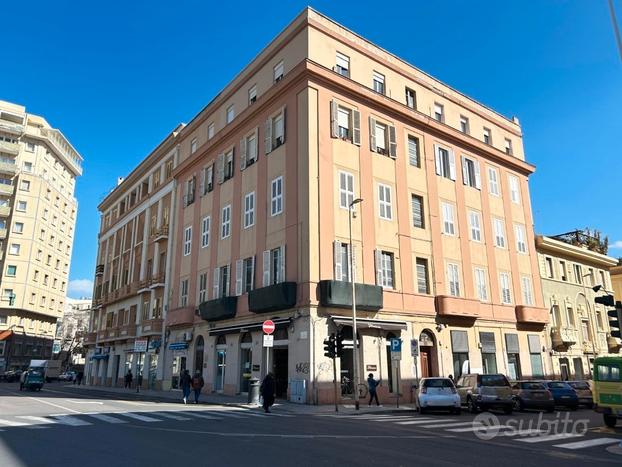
578	329
443	243
38	171
130	283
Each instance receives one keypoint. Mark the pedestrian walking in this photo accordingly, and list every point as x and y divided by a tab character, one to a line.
128	379
372	384
79	377
22	379
267	392
197	384
185	383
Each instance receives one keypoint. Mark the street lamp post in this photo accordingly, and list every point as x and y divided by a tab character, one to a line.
355	379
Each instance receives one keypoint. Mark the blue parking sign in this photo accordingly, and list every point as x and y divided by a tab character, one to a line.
396	345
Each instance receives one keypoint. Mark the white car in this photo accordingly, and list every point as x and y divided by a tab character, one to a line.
437	393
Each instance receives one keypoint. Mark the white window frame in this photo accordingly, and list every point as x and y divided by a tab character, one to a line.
187	240
225	225
508	147
411	98
194	144
439	112
22	206
422	223
387	270
449	218
464	125
249	210
14	251
252	94
211	130
413	156
379	82
520	235
276	196
498	227
278	71
385	206
481	286
230	114
475	226
205	228
514	188
505	286
183	293
493	181
527	289
342	64
380	131
202	294
487	136
346	189
453	279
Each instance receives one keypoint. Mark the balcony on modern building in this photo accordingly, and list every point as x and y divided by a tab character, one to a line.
459	307
5	210
99	270
11	128
9	168
272	298
9	148
531	315
338	294
218	309
127	331
2	233
6	189
152	326
180	317
159	234
90	338
563	336
157	281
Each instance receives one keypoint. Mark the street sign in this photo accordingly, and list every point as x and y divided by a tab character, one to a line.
414	347
140	345
268	327
268	340
396	345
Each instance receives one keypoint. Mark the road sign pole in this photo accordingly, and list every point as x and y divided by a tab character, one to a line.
335	385
398	382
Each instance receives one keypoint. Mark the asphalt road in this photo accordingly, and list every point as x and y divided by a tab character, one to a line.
62	426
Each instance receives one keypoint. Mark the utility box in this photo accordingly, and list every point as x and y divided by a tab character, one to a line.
298	392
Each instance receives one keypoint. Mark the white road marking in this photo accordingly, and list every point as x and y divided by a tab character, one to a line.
526	432
71	420
12	423
142	418
555	437
588	443
54	405
419	421
202	415
106	418
38	419
447	425
479	427
170	415
84	402
226	414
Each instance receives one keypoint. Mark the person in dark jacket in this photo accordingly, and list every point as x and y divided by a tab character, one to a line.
197	384
267	392
79	377
185	383
372	384
128	379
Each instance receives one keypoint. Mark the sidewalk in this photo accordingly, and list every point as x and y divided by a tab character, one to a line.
241	401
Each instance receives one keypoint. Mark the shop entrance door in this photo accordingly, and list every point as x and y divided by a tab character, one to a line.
279	368
115	370
221	363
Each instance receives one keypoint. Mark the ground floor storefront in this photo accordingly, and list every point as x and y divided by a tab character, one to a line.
18	349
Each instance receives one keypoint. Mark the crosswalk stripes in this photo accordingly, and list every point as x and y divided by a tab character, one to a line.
71	420
588	443
447	425
554	437
170	415
106	418
12	423
35	418
202	415
142	418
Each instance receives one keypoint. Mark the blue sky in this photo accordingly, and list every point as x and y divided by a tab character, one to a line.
116	76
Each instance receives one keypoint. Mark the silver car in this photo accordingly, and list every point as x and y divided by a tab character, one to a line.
437	393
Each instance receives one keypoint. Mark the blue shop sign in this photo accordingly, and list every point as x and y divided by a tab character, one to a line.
155	344
178	345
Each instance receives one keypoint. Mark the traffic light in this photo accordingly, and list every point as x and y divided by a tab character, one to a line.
615	320
339	350
606	300
329	346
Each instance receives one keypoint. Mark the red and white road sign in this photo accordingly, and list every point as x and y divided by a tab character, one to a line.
268	326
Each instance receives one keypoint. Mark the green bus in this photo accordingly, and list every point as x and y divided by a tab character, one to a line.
608	388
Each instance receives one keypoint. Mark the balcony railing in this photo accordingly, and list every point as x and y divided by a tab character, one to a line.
9	148
562	336
12	128
180	317
6	189
152	326
160	234
157	281
338	294
128	330
120	294
8	168
5	211
218	309
90	338
531	315
460	307
2	234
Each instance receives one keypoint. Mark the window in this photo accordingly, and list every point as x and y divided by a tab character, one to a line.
193	146
228	168
449	226
230	113
413	151
42	235
210	130
183	293
278	71
487	136
18	227
439	112
508	146
527	290
249	210
489	355
578	274
493	181
417	208
423	285
251	149
11	270
202	287
342	261
346	189
274	266
504	283
562	270
384	202
342	65
30	147
475	224
276	191
205	226
603	281
445	163
378	82
514	189
225	228
535	355
499	229
460	352
470	172
411	98
14	249
278	127
187	240
343	122
248	271
480	284
208	179
380	132
521	241
453	280
464	124
384	269
28	167
221	281
570	316
24	185
190	191
252	94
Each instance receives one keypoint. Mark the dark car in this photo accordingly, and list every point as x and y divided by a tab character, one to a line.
484	392
12	376
532	395
563	394
584	392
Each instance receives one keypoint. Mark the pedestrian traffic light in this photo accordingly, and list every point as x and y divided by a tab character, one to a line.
339	347
606	300
615	320
329	346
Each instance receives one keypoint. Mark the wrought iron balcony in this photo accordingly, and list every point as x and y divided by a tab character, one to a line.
338	294
218	309
272	298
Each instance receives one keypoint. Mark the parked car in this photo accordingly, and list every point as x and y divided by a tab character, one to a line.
584	392
12	376
67	376
483	392
532	395
563	394
437	393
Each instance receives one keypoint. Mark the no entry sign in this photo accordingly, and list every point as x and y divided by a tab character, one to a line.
268	326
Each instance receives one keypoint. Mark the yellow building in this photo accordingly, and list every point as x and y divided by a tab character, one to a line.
38	171
616	281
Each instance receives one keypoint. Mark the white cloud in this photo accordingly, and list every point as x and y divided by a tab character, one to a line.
617	245
79	288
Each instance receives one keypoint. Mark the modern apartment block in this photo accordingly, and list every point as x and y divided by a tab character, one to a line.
442	242
38	171
579	328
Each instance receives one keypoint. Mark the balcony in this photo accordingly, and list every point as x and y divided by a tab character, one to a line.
272	298
531	315
6	189
218	309
90	338
8	168
157	281
562	336
455	306
152	326
112	333
2	234
9	148
613	344
12	128
5	211
180	317
160	234
128	330
143	286
121	293
102	335
338	294
99	270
